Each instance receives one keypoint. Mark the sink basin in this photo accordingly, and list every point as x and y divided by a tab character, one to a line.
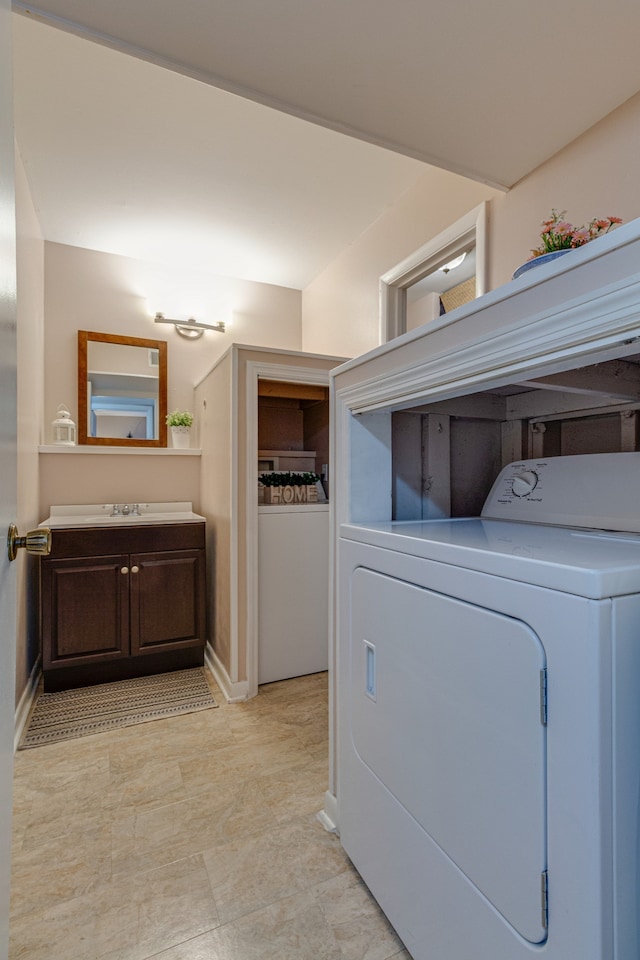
124	518
99	515
164	517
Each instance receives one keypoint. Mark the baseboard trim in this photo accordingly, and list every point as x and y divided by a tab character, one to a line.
25	703
233	691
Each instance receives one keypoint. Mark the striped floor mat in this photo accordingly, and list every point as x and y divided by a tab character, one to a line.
87	710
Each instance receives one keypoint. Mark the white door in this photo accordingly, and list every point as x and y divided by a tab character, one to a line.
7	460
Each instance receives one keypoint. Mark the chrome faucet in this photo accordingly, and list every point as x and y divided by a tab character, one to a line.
126	510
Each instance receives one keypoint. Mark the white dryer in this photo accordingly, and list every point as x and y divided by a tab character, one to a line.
489	717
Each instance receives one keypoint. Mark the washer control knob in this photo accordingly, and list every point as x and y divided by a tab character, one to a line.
524	483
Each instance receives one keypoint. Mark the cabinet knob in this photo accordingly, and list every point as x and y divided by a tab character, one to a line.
35	541
134	569
124	569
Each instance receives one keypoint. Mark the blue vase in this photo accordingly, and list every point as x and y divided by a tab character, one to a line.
538	261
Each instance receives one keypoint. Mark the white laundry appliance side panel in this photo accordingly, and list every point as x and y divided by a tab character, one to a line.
456	688
293	590
626	776
437	911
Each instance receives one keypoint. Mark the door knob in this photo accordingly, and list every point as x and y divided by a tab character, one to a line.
35	541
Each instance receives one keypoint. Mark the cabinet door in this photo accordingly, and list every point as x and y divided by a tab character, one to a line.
85	610
167	600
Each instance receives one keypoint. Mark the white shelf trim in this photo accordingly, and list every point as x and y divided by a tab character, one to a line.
127	451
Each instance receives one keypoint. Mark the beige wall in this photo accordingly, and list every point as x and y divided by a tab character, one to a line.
88	290
340	312
594	176
117	478
215	412
30	341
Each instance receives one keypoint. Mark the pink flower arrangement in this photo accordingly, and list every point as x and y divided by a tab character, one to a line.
557	234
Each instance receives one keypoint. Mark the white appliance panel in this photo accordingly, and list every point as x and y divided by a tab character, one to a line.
293	585
593	490
456	688
588	563
626	776
592	651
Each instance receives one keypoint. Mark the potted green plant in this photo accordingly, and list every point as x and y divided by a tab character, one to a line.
287	488
180	423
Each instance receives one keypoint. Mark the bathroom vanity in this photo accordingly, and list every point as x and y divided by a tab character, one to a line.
121	596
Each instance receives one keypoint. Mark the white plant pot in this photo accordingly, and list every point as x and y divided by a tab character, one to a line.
180	437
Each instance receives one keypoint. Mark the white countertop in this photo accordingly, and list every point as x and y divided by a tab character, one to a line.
99	515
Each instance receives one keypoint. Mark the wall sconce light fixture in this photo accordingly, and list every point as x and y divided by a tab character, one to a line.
191	329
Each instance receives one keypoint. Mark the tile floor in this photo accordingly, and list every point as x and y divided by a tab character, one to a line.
192	838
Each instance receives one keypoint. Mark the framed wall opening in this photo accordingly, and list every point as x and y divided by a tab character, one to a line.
411	292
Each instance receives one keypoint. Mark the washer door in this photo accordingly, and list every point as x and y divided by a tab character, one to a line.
445	711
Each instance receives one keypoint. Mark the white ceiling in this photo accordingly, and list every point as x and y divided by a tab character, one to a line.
125	156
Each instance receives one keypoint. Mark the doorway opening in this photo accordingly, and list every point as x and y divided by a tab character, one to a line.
430	282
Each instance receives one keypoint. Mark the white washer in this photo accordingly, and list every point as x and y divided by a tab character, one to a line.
489	717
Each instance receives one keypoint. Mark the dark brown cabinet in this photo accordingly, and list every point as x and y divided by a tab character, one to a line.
121	602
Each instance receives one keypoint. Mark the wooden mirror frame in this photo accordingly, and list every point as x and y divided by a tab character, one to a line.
84	338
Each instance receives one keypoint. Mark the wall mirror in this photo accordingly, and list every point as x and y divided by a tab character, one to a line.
122	390
430	282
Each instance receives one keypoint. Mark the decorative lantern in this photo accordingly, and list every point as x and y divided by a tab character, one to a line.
64	429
